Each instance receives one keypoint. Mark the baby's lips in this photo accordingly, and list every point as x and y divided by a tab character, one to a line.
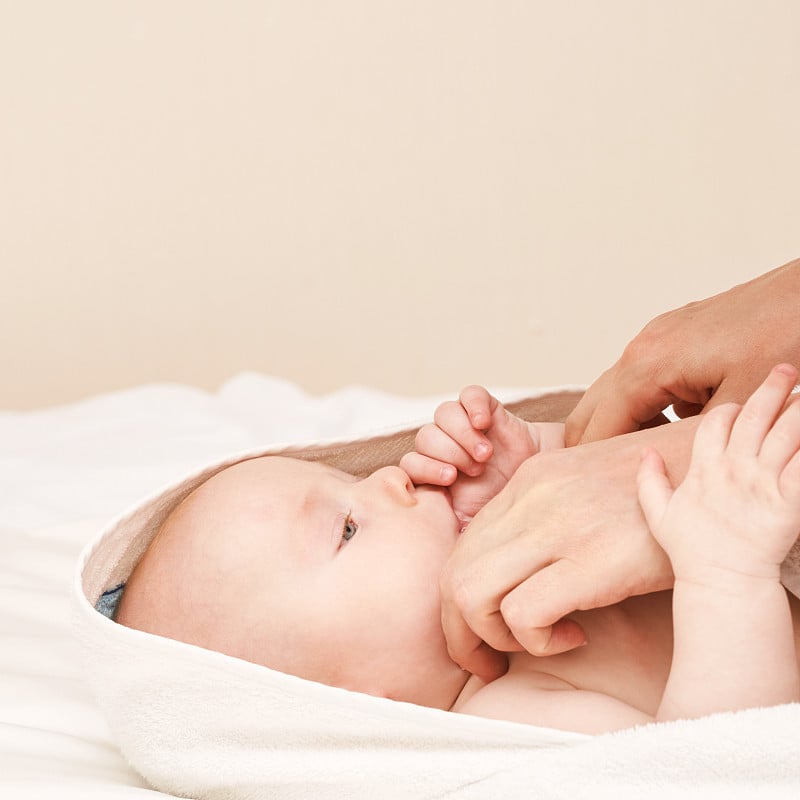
463	519
463	522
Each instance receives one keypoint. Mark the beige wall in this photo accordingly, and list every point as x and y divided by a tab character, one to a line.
412	195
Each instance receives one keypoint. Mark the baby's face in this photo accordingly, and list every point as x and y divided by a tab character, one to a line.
311	571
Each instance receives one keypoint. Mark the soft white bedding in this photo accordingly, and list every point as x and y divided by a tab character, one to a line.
63	473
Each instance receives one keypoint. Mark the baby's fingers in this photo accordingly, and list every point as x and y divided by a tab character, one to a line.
713	434
424	469
783	440
761	410
479	405
454	421
789	482
438	444
655	489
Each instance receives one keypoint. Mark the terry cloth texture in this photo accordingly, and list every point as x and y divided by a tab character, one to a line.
205	725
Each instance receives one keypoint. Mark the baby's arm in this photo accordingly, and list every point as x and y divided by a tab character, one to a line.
474	446
726	529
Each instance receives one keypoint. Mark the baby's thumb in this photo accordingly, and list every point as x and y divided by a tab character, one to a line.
655	489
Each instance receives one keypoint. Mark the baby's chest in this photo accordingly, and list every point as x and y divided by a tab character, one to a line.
628	654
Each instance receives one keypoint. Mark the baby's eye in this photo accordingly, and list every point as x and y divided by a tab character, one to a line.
348	529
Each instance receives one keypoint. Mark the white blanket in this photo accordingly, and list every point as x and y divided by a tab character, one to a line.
64	471
209	726
205	725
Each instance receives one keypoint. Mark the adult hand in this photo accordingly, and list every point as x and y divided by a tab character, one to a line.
565	534
695	357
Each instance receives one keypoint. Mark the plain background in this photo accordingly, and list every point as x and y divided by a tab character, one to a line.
408	195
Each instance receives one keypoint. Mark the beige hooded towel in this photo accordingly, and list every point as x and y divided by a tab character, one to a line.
200	724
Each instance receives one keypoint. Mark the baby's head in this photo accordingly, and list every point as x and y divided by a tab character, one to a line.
305	569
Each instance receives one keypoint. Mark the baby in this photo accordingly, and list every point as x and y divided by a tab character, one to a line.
306	569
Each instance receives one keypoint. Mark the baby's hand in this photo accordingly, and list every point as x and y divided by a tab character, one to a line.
737	512
474	446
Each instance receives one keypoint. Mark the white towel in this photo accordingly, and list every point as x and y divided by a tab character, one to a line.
205	725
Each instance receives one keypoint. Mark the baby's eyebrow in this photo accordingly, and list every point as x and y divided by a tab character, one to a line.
308	500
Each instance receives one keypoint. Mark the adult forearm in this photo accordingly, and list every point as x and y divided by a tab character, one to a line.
620	455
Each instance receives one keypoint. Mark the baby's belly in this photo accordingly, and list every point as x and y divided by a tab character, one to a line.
629	651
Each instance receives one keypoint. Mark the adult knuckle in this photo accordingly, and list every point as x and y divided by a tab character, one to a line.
461	592
512	611
641	349
464	597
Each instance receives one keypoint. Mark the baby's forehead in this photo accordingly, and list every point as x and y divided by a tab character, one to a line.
277	466
278	482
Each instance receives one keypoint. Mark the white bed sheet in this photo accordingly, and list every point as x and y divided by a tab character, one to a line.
66	471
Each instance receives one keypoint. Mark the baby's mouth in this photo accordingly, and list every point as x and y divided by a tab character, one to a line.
444	492
462	522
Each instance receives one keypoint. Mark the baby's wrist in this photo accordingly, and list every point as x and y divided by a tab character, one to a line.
724	579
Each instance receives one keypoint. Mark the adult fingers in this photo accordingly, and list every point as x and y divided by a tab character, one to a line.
471	597
466	647
618	402
581	416
489	597
683	408
618	415
470	652
535	611
480	572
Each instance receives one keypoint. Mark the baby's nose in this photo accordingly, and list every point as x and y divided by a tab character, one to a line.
397	482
